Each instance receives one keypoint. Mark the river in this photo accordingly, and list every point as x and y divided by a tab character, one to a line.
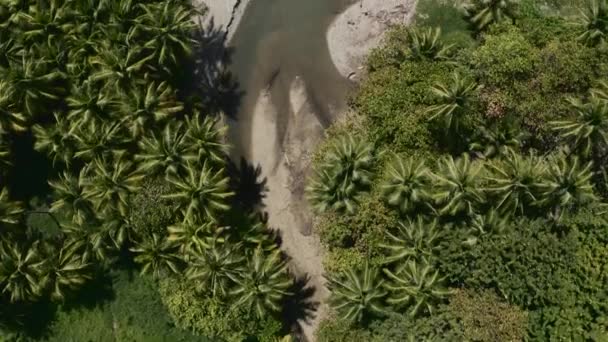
276	41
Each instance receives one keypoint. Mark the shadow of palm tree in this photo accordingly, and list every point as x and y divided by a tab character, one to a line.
247	183
299	306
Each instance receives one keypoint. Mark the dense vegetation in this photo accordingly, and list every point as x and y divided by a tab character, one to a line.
465	199
112	157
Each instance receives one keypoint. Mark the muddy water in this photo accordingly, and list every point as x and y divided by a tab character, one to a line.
276	41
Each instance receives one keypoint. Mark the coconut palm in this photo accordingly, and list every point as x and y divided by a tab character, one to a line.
452	100
600	91
516	181
11	117
406	183
205	138
593	22
497	141
413	240
166	28
167	152
263	284
143	106
56	140
89	240
357	294
110	183
215	268
89	105
481	13
202	191
71	198
157	256
426	44
119	66
9	50
589	128
21	269
32	84
116	227
416	286
11	212
191	233
100	140
46	22
457	186
567	182
345	173
64	270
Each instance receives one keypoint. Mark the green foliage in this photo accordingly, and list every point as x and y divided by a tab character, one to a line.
406	183
416	287
157	256
426	44
208	316
481	13
150	213
483	316
457	186
345	173
452	101
357	294
593	23
417	240
338	330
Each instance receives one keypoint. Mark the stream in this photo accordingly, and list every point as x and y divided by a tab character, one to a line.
276	41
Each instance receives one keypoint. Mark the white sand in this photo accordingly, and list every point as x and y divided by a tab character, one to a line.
222	15
361	27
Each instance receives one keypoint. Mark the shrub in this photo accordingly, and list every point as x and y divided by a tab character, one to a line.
337	330
150	213
210	317
482	316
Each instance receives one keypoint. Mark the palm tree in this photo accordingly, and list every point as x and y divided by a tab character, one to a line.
191	233
46	22
89	240
11	118
119	67
71	197
9	49
406	183
567	183
203	191
413	240
205	138
357	294
32	84
167	152
600	91
215	268
64	270
89	104
497	141
589	129
481	13
594	23
417	286
110	184
5	155
20	271
166	29
116	227
100	140
457	186
143	106
515	180
344	174
56	140
452	100
426	44
263	284
157	256
11	212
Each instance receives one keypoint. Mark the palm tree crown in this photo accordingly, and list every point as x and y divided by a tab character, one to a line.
594	23
481	13
167	152
406	183
457	185
413	240
452	100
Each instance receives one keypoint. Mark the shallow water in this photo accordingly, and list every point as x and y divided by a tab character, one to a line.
276	41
